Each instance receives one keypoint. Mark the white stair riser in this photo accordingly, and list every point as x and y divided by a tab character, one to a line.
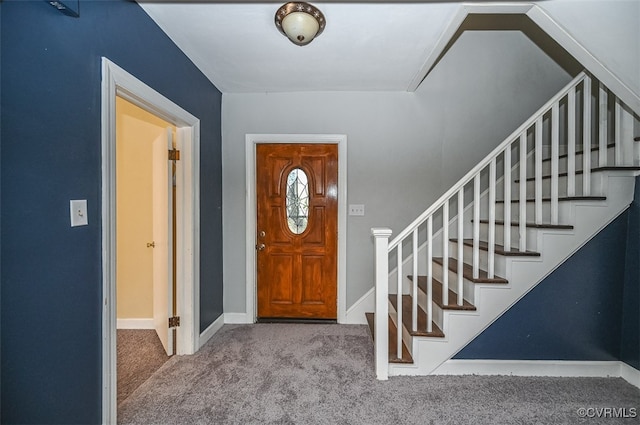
500	263
438	313
531	236
468	286
563	161
595	179
563	211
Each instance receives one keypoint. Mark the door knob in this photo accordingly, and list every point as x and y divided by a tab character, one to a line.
151	245
261	247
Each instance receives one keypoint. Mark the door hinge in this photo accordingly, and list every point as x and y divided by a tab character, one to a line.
174	155
174	322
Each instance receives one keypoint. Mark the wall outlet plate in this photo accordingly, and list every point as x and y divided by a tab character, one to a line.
356	209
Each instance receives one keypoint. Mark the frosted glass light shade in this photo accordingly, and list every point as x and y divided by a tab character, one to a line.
300	22
300	27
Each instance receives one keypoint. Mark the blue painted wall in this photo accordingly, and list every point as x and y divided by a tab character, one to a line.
50	129
630	338
590	306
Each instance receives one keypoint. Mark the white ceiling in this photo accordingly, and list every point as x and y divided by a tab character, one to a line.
365	46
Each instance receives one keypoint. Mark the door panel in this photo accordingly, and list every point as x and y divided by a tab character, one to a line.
162	238
297	270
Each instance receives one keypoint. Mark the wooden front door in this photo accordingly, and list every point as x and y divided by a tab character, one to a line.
297	226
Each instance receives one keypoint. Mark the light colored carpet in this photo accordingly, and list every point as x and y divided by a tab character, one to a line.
323	374
140	355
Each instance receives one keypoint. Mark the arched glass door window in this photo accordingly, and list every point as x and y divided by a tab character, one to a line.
297	201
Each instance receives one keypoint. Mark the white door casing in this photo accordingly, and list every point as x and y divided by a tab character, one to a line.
117	82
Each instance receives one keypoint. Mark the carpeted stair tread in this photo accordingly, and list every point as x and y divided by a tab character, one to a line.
393	335
498	249
560	198
467	272
533	225
407	318
436	288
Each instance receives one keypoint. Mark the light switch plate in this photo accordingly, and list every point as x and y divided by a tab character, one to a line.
78	211
356	209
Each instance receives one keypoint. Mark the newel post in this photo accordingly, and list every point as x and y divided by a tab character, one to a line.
381	323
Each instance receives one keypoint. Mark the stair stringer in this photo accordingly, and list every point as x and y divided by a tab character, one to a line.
523	274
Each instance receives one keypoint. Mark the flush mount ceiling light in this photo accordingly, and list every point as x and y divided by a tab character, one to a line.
300	22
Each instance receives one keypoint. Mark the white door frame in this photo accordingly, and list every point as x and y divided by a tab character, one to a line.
116	81
251	141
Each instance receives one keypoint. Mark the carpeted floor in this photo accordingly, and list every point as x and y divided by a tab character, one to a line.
323	374
140	355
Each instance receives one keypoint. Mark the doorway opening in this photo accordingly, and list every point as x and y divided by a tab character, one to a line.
117	83
145	245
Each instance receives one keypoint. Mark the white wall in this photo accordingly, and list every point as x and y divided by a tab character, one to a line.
404	149
609	29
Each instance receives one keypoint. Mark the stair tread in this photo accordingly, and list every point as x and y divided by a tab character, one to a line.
498	249
393	334
407	319
593	170
561	198
593	149
436	288
467	272
533	225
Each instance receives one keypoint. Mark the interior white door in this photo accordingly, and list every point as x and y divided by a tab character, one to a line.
162	183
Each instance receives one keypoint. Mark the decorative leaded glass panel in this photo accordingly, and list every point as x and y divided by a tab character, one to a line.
297	201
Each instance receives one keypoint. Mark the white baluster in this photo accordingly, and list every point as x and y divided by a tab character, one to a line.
399	301
492	219
476	225
630	156
414	298
586	138
602	126
507	199
460	244
571	142
618	133
430	274
445	253
624	136
555	140
538	170
381	321
523	193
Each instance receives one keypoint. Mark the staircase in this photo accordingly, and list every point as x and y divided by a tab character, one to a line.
545	191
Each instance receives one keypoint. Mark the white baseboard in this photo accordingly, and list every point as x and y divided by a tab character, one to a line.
366	304
135	324
211	330
560	368
630	374
237	318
